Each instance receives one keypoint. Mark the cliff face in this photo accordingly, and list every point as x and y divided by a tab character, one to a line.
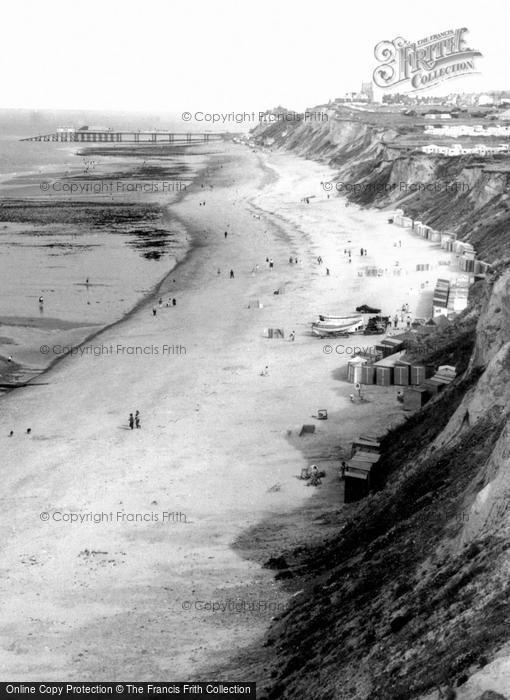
468	195
413	595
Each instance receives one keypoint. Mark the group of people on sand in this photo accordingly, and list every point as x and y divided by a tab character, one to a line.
403	310
134	421
170	302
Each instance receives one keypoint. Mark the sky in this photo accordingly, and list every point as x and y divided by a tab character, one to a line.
223	55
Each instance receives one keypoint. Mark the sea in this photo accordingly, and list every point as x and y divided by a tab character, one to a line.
72	262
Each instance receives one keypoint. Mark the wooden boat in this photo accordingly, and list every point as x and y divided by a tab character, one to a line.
349	325
339	319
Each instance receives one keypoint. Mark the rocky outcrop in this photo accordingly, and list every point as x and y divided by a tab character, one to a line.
493	330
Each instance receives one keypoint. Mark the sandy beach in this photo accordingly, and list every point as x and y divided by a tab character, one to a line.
218	450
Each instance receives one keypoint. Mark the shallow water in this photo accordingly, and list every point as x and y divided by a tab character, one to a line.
91	264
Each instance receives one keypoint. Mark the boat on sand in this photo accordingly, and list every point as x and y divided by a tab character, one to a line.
337	325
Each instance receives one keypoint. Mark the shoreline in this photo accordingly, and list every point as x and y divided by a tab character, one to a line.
210	426
14	371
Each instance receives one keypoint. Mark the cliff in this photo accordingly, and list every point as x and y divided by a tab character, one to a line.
410	598
380	165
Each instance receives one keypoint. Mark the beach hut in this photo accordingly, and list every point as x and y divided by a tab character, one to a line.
384	376
274	333
405	363
389	346
401	375
367	374
354	368
434	386
362	444
417	375
445	238
440	297
357	478
364	457
384	368
415	397
445	374
356	485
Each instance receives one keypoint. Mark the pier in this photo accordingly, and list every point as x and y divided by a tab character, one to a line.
99	135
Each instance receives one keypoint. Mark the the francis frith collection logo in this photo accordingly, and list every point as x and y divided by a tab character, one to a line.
424	63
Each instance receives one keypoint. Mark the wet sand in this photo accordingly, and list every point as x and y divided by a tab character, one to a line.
53	240
218	449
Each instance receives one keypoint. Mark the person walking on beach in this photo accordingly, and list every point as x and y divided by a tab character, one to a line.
154	311
137	419
271	264
327	271
231	274
292	336
226	234
174	302
131	421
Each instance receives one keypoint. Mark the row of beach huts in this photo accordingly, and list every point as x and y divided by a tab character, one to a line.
421	383
466	254
386	366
